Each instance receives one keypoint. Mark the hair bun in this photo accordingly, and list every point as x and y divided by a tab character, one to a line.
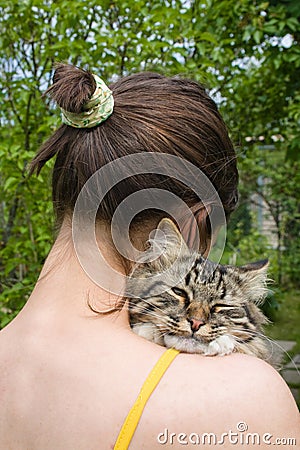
72	87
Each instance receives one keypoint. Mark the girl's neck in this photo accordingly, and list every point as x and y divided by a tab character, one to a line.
64	286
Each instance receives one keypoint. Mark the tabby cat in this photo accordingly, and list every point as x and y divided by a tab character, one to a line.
198	306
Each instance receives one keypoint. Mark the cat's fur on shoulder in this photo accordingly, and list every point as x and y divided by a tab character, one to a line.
198	306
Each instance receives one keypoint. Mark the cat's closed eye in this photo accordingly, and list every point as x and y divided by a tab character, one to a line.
179	292
182	294
220	307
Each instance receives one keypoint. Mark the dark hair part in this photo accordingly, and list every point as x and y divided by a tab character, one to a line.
152	113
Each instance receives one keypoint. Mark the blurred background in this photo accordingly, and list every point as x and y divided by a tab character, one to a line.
246	53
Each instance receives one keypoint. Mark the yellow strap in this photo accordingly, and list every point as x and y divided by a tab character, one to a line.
148	387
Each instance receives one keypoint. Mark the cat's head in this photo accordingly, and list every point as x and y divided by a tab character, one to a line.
206	301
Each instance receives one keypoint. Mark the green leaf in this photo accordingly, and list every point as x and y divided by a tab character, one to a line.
10	183
206	36
257	36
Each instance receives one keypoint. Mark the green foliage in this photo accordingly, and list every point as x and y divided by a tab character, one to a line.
247	53
286	318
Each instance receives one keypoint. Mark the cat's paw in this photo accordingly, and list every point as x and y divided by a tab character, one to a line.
223	345
183	344
149	332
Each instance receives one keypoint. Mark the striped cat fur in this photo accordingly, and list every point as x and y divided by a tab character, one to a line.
198	306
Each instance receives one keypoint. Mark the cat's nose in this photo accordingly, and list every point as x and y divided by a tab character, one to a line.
196	324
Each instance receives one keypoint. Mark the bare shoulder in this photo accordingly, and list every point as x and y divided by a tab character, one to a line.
239	385
220	395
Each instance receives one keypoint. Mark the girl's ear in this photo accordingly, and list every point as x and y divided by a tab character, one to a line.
254	279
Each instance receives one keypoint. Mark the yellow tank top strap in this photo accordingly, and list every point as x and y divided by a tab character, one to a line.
134	415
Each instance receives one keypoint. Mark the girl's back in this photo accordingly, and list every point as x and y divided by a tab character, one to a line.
71	387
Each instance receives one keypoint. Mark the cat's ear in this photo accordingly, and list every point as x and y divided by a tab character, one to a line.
254	278
261	266
166	242
173	238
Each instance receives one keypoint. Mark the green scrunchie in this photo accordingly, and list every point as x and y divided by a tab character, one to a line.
96	110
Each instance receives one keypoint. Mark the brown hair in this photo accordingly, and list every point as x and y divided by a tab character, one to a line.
152	113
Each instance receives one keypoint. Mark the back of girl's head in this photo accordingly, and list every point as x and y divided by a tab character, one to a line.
152	113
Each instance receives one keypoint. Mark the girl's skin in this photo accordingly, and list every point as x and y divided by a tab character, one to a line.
68	377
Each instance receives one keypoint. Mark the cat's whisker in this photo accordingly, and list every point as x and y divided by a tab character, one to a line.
161	331
143	309
151	304
271	341
150	315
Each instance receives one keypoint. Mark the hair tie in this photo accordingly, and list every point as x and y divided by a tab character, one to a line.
96	110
